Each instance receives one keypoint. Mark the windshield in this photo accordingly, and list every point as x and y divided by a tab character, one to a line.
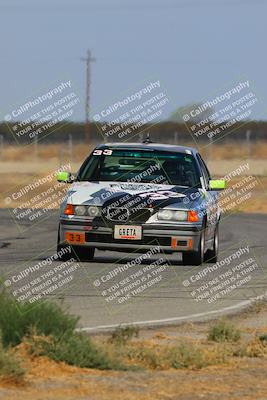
145	166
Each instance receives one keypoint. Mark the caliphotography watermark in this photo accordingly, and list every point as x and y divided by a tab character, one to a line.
42	277
41	115
133	278
219	115
129	115
33	201
241	188
232	276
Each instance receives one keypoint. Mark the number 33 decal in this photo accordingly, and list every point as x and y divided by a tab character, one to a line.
105	152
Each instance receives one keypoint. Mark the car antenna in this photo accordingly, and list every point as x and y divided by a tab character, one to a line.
147	140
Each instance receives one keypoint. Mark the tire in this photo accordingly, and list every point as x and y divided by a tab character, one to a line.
58	235
82	253
66	256
195	257
60	246
211	255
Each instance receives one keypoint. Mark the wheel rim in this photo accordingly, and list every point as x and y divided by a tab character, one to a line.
202	246
216	242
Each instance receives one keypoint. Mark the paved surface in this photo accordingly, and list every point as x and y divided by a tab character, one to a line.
168	299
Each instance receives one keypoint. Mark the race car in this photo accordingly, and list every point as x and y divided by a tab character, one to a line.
132	196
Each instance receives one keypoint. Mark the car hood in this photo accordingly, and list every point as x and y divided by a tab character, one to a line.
99	193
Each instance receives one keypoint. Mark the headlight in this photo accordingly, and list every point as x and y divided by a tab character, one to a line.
91	211
165	215
94	211
80	210
172	215
180	215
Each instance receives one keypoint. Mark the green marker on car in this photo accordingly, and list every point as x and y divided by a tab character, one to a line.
63	176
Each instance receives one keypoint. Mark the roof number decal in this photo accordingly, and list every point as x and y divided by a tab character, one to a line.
105	152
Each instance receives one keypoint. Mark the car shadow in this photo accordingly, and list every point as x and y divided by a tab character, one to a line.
124	258
99	259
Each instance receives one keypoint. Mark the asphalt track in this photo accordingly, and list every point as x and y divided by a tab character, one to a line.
171	299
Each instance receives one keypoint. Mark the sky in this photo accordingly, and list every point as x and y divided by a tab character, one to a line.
194	47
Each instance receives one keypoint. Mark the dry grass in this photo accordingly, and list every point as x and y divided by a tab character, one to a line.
139	354
182	368
46	152
185	353
235	150
227	151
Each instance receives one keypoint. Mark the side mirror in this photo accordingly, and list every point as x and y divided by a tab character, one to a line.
217	184
65	177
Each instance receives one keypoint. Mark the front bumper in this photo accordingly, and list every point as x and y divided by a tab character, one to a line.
169	237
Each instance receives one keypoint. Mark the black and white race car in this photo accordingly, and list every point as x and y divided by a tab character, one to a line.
129	197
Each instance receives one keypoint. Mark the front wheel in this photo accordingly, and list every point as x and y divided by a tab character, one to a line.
62	254
211	255
195	257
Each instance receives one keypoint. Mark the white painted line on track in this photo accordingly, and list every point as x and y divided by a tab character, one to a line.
169	320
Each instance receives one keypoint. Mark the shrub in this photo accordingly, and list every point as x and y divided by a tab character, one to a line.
146	356
223	331
76	349
263	338
254	348
50	331
186	355
16	321
123	335
10	367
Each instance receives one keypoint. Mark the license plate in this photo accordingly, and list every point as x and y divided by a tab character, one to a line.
75	237
129	232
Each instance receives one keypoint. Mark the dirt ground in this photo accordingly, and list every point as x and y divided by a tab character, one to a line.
242	378
246	381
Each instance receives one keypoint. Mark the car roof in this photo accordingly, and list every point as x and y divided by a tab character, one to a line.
151	146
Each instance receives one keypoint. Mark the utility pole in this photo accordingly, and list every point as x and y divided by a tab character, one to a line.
88	59
248	133
70	147
1	147
36	148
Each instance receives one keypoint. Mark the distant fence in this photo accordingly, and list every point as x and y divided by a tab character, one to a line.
167	132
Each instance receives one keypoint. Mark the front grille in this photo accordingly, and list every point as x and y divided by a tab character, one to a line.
117	214
124	214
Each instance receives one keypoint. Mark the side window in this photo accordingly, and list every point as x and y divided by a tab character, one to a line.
204	170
